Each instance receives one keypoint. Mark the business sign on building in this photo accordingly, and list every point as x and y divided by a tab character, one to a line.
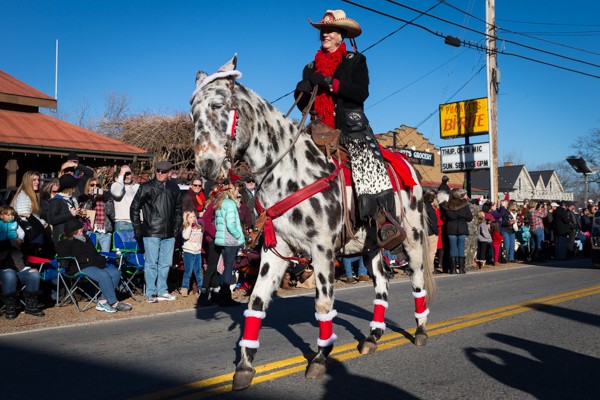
418	157
465	157
464	118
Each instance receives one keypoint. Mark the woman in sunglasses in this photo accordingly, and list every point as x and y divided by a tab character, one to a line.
194	199
99	202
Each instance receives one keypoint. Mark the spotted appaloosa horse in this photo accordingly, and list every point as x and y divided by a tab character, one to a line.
233	122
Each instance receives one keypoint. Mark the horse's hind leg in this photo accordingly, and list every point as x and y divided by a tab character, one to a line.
419	276
380	282
324	274
271	271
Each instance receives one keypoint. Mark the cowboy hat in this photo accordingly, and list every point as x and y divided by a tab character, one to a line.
337	19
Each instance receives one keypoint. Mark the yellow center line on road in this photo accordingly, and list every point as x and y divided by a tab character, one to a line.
222	384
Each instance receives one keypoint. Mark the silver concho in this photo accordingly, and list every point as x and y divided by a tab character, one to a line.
354	116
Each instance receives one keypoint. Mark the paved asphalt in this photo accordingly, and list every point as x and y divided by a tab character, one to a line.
527	332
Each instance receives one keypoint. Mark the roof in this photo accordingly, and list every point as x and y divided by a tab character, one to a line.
39	132
14	91
546	176
507	176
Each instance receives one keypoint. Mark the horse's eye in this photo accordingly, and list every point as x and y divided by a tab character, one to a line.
216	106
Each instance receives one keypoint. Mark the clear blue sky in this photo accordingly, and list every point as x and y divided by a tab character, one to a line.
151	50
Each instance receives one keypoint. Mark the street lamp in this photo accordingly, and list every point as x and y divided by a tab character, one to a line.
579	165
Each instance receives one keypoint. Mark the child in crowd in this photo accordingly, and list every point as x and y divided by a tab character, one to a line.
13	269
484	238
192	251
496	240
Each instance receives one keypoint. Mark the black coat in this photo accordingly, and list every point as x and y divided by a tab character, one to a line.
353	77
59	211
161	205
85	253
457	217
561	221
432	222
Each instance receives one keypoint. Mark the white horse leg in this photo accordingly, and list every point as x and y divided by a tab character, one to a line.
415	246
324	276
380	304
271	271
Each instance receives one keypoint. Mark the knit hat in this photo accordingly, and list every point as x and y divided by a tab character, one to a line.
73	225
67	181
337	19
72	156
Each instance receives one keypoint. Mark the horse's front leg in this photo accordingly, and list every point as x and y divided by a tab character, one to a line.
380	304
271	271
324	276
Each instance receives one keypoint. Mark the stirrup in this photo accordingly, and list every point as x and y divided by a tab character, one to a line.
390	234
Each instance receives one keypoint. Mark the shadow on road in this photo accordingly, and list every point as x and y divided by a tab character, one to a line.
550	372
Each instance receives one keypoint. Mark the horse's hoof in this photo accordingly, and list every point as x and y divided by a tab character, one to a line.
315	370
243	378
421	336
368	347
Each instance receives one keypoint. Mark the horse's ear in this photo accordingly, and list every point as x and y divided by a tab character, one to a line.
200	75
231	64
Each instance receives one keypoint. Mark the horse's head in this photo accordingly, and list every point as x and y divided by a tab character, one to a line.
214	113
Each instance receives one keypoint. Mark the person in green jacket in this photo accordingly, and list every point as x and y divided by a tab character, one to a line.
228	239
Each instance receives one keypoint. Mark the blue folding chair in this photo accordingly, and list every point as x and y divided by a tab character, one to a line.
73	284
129	260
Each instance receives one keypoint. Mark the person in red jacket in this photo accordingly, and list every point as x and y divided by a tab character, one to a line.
496	240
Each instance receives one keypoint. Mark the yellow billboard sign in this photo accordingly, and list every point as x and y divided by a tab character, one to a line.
464	118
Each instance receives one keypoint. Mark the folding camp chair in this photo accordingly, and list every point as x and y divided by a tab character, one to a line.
129	260
75	285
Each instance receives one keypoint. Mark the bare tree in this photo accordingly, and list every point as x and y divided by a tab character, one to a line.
513	157
115	111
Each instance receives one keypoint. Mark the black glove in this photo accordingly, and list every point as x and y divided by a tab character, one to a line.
304	86
320	80
138	234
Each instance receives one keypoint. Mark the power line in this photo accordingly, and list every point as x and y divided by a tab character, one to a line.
481	33
544	23
453	94
379	41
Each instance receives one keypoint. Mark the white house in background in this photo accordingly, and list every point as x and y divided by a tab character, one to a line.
521	184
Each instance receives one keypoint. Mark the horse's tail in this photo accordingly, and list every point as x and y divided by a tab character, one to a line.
429	282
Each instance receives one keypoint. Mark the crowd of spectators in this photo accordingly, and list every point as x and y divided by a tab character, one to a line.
207	224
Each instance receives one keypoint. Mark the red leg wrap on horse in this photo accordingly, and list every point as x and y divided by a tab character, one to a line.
325	329
379	313
420	305
251	328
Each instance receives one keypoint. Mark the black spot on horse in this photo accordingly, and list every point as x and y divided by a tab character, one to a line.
309	222
292	186
311	233
275	145
320	248
296	216
416	234
316	206
310	157
264	270
330	254
322	279
256	142
420	206
413	203
261	147
381	296
258	304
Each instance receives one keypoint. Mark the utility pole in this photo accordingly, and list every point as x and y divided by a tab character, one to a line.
492	89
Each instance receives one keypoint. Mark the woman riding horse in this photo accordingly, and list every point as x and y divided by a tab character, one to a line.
342	78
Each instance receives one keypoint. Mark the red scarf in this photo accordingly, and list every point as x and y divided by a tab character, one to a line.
325	64
198	199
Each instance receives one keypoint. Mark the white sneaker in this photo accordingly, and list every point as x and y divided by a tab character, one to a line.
166	296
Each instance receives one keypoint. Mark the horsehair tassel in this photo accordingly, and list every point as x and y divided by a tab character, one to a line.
379	314
232	123
421	310
326	335
269	232
251	328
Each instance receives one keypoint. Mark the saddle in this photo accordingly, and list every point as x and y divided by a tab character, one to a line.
327	139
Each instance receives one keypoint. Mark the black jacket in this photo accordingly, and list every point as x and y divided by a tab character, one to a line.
161	205
353	75
457	215
561	221
85	253
432	222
